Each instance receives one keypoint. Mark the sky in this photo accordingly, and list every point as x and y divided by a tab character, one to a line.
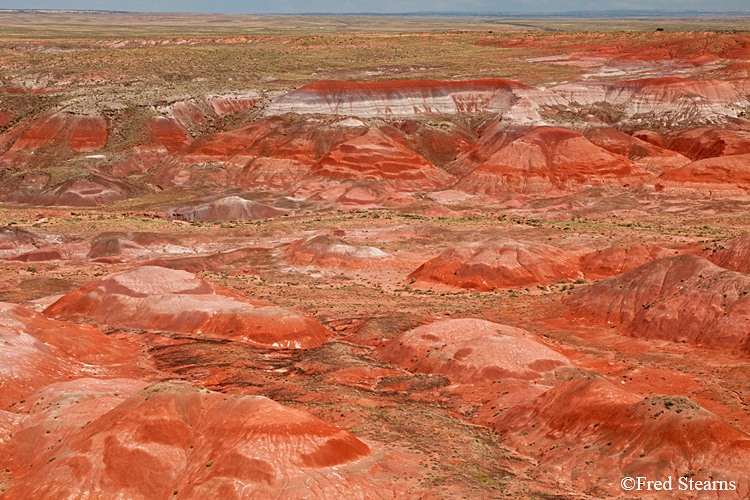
381	6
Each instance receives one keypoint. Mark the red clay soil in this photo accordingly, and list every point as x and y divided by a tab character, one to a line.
333	252
173	441
500	262
38	351
157	298
376	156
680	299
400	97
225	105
710	142
472	350
722	176
543	159
612	261
588	433
652	158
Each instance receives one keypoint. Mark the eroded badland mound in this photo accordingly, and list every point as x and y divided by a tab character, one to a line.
499	263
155	298
681	299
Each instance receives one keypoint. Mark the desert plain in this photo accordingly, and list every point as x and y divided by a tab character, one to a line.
252	257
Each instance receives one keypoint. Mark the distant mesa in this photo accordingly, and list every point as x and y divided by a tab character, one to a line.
157	298
472	350
400	98
333	252
230	208
594	424
665	100
681	299
169	438
541	160
500	262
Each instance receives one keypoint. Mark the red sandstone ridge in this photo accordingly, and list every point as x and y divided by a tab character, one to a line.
709	142
647	156
170	441
407	98
332	251
500	262
229	208
542	159
157	298
684	298
38	351
592	433
472	350
616	260
732	254
375	156
724	176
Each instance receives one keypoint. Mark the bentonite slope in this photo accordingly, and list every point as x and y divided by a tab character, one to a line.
681	299
157	298
170	440
497	263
